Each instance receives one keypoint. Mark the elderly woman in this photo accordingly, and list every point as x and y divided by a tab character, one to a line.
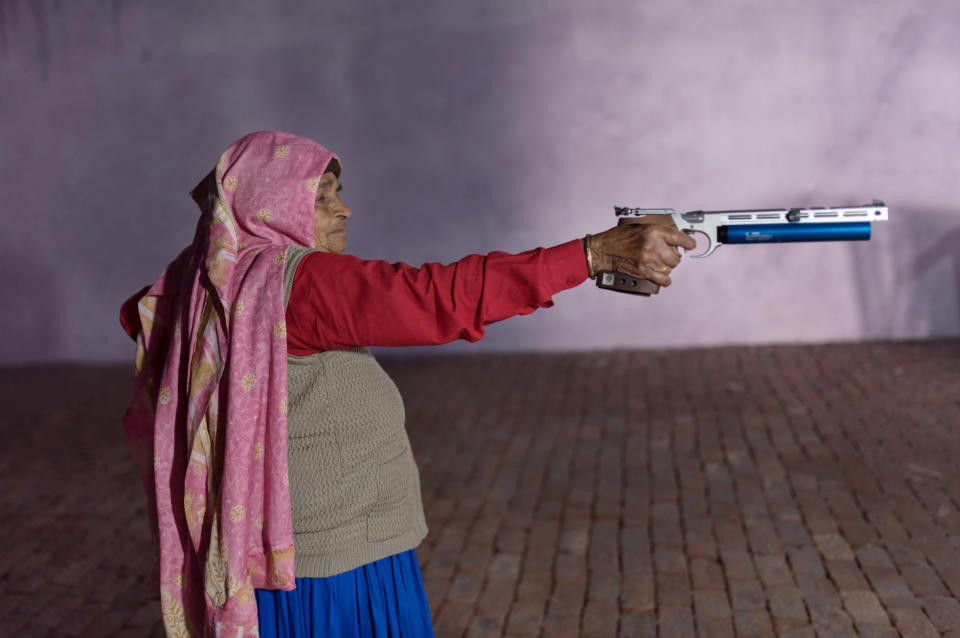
283	493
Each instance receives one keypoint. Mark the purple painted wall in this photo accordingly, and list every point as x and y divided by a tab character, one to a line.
474	126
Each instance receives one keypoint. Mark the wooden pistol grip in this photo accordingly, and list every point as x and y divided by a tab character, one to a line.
613	280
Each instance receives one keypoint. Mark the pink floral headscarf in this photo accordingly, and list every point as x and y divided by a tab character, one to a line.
208	421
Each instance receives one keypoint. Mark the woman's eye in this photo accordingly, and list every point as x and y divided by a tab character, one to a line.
320	199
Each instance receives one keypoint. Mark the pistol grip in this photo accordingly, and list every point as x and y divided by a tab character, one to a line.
619	282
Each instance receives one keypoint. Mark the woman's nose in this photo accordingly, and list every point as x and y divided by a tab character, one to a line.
344	211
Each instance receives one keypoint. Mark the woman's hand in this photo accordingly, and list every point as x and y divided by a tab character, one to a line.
645	248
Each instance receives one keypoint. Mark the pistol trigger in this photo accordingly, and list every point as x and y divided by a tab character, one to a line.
711	246
710	251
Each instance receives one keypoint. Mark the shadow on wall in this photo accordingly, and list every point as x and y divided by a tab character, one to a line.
30	320
900	292
946	249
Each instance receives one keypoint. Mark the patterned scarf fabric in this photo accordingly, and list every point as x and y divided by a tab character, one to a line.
208	422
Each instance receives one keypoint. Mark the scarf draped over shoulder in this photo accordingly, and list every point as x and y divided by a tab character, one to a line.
208	422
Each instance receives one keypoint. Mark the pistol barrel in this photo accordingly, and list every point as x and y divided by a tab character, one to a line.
775	233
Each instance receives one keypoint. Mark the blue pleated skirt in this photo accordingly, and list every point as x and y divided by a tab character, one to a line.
382	599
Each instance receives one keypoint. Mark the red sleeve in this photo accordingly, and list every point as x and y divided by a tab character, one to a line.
340	301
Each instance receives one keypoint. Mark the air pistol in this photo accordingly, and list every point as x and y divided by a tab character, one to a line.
840	223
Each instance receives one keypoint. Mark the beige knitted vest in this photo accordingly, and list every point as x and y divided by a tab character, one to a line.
354	487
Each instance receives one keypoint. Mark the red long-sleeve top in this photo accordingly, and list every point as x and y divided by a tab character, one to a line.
339	301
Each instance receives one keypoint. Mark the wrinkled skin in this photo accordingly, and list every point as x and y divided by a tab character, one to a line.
646	249
330	216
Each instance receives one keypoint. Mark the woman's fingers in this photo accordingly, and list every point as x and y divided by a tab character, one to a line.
683	240
643	269
667	250
661	277
670	257
664	256
676	239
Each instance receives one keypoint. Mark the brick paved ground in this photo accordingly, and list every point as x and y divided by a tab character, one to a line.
790	491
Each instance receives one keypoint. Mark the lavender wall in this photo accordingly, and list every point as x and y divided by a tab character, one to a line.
474	126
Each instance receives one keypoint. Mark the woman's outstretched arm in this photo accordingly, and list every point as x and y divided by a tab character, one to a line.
340	301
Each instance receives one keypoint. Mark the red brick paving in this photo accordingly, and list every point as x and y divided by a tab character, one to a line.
793	491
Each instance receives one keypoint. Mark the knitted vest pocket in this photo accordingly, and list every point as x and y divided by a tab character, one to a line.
393	513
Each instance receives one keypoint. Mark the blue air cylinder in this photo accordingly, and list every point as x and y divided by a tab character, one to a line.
773	233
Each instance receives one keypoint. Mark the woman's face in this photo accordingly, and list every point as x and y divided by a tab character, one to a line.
330	216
